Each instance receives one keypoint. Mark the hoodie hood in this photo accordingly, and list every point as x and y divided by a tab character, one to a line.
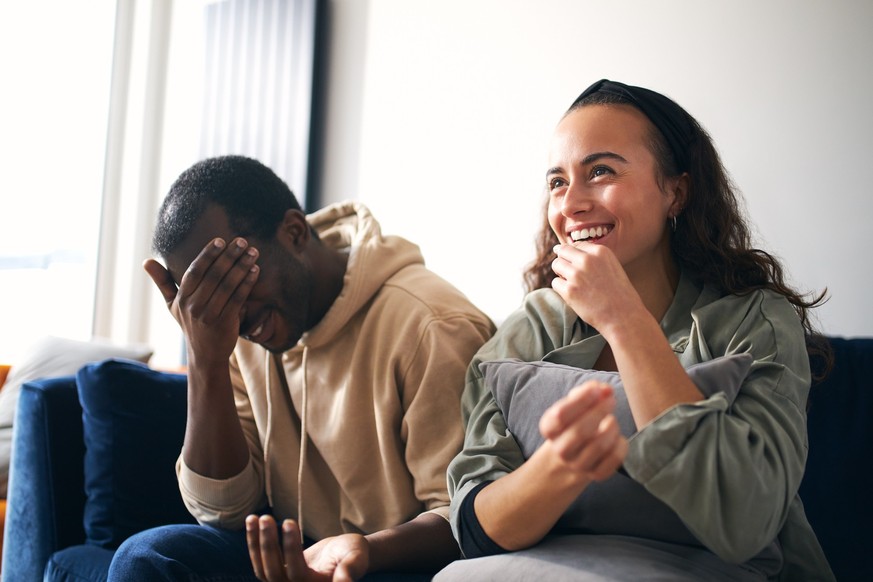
373	259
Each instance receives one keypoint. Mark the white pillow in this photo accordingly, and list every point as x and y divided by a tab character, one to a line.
48	357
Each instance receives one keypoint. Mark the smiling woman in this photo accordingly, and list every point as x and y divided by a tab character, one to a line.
53	115
604	438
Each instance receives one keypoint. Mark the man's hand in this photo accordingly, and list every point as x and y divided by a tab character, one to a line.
209	302
342	558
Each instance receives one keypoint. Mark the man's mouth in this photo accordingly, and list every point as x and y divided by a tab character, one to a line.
590	234
254	334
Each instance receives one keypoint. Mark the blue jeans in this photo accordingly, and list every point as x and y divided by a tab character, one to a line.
195	553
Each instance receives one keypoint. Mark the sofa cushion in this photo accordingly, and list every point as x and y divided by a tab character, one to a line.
839	476
50	357
133	421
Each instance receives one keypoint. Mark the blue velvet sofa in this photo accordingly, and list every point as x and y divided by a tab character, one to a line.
93	462
94	454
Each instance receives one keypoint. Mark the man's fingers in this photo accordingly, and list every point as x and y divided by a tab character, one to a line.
295	564
196	273
343	572
350	567
236	302
271	555
253	539
162	278
213	281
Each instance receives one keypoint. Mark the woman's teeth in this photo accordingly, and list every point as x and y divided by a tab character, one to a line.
589	233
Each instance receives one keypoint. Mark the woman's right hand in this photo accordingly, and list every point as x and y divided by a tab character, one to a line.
583	444
582	432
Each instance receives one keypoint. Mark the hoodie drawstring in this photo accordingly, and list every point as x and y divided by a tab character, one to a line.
267	439
303	438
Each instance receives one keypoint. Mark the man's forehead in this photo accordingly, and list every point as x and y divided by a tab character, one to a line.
212	224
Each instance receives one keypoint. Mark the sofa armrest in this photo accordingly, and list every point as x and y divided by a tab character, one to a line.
46	495
836	487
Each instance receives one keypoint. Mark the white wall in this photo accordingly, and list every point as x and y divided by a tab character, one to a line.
440	112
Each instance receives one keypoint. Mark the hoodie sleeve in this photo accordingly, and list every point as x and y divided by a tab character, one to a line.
226	502
432	384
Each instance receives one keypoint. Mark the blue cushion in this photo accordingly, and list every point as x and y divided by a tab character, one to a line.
133	423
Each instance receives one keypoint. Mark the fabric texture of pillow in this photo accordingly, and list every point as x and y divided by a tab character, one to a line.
619	505
133	421
49	357
593	558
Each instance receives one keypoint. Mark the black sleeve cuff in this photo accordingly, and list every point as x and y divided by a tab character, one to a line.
473	540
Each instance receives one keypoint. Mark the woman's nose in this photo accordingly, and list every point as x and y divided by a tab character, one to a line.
576	199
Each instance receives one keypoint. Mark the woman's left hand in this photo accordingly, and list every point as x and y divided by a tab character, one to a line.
593	283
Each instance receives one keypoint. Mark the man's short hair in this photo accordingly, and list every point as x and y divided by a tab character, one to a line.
253	196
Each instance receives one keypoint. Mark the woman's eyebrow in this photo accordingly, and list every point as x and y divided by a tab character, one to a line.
552	171
589	159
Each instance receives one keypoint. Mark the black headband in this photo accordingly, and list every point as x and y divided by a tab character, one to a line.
670	119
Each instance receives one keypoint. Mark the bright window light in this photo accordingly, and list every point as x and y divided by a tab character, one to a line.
57	58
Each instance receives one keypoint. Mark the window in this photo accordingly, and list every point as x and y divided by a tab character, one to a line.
56	67
104	104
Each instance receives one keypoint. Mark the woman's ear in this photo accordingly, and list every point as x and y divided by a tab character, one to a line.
294	231
680	188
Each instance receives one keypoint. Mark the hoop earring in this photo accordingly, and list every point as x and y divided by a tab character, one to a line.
673	222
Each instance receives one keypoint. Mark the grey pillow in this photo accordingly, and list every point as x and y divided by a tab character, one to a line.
619	505
593	558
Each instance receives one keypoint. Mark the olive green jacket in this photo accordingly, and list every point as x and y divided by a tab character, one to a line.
729	469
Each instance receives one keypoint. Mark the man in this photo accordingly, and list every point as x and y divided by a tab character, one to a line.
337	407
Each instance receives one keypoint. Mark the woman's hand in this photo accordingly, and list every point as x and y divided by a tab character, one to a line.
583	432
593	283
342	558
583	444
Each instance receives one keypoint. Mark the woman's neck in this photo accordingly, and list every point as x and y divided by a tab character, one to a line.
657	287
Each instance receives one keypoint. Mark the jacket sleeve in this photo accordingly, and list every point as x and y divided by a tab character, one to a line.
226	502
731	470
490	450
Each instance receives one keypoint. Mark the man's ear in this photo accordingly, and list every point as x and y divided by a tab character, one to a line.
294	231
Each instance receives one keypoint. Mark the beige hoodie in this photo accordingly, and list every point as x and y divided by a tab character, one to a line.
374	388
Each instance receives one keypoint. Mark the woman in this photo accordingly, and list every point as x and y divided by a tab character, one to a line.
680	453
